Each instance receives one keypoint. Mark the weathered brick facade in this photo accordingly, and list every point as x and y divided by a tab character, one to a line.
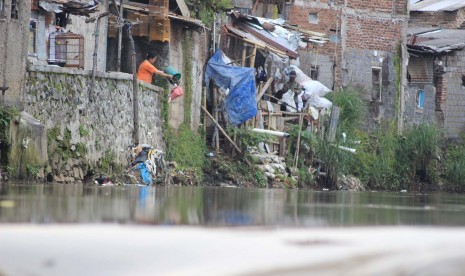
444	19
365	38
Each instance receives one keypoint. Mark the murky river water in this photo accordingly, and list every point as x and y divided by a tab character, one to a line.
206	206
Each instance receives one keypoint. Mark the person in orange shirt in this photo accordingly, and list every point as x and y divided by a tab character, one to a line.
146	69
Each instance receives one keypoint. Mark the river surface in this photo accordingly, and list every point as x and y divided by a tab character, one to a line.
209	206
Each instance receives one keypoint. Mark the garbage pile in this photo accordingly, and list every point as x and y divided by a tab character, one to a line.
143	161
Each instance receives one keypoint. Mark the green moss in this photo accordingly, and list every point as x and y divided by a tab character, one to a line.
188	149
108	164
6	115
397	66
205	9
83	131
81	149
187	71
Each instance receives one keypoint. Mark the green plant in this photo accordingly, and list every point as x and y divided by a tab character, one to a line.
353	109
261	179
455	168
32	170
83	131
108	163
418	148
6	115
305	177
206	9
246	138
187	149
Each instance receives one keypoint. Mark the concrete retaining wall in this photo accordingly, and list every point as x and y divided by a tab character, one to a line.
58	97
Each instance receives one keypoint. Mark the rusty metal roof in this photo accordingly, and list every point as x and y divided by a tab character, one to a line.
437	5
76	7
436	40
185	19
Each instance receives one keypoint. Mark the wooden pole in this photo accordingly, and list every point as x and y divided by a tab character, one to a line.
221	129
120	36
215	111
244	54
296	157
264	88
205	106
94	57
135	90
252	57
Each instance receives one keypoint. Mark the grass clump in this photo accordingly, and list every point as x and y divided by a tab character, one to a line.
188	150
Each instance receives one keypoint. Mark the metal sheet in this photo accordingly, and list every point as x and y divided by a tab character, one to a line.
438	40
186	19
275	42
438	5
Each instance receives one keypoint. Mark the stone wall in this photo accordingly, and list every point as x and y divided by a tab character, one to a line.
85	134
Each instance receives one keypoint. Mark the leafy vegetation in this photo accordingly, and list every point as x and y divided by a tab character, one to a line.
6	115
205	9
455	168
188	150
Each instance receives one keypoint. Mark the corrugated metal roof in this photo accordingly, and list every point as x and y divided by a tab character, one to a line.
187	19
438	40
276	42
437	5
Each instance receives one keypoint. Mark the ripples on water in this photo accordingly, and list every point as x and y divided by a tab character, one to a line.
68	203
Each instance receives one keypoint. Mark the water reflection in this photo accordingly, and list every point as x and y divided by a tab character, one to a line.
223	206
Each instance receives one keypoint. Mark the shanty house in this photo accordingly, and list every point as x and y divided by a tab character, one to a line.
364	48
447	14
165	28
63	33
436	79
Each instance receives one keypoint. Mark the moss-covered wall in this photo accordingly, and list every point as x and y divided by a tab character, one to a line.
84	135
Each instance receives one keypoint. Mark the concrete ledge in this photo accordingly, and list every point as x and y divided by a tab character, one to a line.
88	73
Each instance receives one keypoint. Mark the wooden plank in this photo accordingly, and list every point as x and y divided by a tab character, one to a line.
264	88
224	132
334	120
215	111
297	151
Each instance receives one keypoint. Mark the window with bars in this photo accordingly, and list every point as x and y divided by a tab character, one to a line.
377	80
2	8
14	9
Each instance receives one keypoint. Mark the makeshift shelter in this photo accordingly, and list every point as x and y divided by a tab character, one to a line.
240	104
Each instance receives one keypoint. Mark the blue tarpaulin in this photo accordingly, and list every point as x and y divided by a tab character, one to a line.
240	104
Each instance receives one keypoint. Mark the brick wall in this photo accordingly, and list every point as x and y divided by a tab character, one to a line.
385	6
373	33
448	20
